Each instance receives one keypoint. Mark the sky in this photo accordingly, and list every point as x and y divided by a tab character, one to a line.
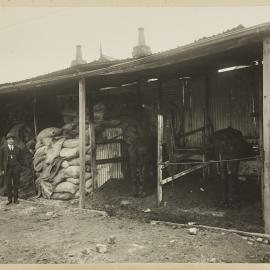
36	41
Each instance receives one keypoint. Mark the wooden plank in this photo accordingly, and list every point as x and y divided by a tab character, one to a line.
109	160
92	138
258	74
179	225
160	120
192	169
266	131
193	131
82	141
34	112
159	159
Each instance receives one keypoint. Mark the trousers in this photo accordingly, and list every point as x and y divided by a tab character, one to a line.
12	183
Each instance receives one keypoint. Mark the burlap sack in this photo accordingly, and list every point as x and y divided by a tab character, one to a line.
74	181
71	143
65	164
88	183
49	132
64	187
68	126
47	140
60	177
53	150
69	153
41	151
62	196
72	171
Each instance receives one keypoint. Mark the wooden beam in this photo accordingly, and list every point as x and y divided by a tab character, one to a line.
258	74
266	131
92	137
218	229
192	132
34	112
160	121
82	141
192	169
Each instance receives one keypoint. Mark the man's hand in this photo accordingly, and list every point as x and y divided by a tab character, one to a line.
2	173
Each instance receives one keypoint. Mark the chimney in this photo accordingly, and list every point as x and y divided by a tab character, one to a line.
78	60
141	39
141	49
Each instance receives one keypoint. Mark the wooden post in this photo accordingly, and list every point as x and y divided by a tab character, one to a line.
266	131
260	127
34	112
82	140
159	146
92	138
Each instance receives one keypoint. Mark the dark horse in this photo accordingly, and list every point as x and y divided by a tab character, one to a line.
142	160
140	137
229	144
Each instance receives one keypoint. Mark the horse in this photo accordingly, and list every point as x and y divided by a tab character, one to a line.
229	146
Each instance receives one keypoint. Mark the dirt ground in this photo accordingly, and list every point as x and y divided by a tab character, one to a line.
56	233
46	231
185	201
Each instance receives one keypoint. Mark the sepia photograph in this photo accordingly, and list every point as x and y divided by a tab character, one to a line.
134	133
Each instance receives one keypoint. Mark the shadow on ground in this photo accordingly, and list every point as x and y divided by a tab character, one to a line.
183	201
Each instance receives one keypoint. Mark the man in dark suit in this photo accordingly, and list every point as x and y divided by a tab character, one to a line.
10	164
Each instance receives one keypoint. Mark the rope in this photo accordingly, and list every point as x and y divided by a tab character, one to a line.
207	162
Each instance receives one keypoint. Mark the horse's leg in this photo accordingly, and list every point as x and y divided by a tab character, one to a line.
224	183
133	163
142	171
232	183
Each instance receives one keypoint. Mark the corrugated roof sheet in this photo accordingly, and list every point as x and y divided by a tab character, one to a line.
203	47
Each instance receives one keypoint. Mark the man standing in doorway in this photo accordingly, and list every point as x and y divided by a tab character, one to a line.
10	164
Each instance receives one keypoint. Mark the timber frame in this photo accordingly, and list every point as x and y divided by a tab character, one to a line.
241	47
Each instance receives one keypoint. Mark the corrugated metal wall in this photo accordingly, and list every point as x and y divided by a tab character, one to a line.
194	108
105	152
234	97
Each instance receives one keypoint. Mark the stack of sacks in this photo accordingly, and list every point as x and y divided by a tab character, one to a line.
57	163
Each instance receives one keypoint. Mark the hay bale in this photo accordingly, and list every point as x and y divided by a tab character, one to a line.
49	132
62	196
65	187
71	143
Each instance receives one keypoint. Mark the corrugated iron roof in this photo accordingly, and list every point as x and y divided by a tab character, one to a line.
233	38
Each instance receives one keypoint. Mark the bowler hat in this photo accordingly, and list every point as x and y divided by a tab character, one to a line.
10	135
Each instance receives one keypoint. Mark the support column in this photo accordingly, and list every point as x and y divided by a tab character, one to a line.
258	77
159	145
82	140
34	112
266	131
92	142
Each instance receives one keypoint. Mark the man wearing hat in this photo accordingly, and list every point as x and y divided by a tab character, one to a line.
11	159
